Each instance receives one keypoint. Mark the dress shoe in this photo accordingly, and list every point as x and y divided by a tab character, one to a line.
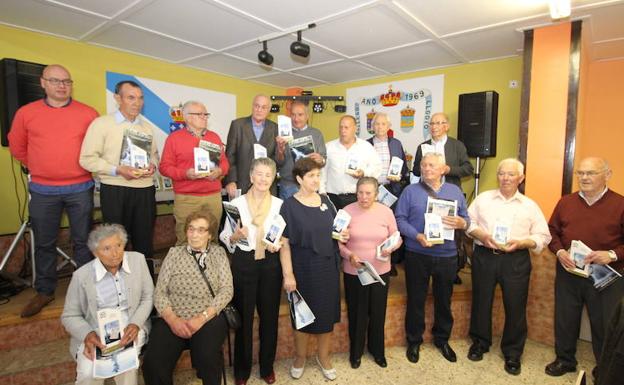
413	353
270	378
381	361
296	373
448	352
35	305
240	381
512	366
330	374
559	368
356	363
475	353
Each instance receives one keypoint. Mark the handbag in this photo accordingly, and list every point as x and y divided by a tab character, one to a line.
232	317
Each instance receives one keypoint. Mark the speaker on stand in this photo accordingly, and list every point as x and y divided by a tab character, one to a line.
477	122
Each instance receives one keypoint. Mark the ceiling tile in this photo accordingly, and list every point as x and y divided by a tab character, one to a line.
48	18
135	40
371	29
106	8
340	72
228	65
491	43
411	58
607	23
612	49
198	22
286	80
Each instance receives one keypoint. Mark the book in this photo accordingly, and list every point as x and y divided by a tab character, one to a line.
413	178
578	251
214	153
426	148
501	233
259	151
385	197
352	165
433	228
131	143
601	276
273	236
284	127
299	310
121	361
443	208
201	160
233	217
110	329
389	243
302	147
396	165
138	157
368	275
341	221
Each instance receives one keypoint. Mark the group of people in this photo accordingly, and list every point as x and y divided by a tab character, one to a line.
63	143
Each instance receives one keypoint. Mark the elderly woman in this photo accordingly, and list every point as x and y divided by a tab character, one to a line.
386	148
310	262
257	273
194	285
113	280
371	224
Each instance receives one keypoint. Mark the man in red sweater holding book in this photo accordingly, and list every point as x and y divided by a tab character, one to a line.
595	216
45	137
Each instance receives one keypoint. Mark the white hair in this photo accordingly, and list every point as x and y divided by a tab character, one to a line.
514	161
187	105
105	231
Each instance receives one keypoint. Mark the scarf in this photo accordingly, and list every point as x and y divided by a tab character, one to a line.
259	211
199	255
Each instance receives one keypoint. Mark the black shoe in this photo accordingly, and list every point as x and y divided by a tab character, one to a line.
512	366
448	352
559	368
381	361
356	363
475	353
413	353
595	374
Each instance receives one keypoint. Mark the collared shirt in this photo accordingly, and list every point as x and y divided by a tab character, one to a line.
520	212
334	177
257	128
111	289
381	146
120	118
439	145
589	203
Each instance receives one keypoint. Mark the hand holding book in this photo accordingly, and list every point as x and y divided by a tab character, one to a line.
92	341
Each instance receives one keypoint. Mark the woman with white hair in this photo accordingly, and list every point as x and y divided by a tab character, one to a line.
115	279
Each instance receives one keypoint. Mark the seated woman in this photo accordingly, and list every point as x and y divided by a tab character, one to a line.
113	280
371	224
191	316
257	273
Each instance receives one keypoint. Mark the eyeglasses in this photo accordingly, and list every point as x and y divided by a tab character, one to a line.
438	123
204	115
261	107
57	82
199	230
592	173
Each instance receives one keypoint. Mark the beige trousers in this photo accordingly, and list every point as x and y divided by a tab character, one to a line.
185	205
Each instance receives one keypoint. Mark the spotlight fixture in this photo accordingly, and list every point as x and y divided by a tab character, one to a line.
264	56
298	48
559	9
275	108
340	108
317	107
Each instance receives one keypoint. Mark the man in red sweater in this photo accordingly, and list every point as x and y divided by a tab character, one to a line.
194	187
45	137
595	216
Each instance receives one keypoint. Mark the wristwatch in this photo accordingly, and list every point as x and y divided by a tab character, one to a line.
612	255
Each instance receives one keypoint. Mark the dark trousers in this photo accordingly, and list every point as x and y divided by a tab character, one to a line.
164	349
135	209
512	272
45	219
341	200
571	294
257	284
366	310
419	268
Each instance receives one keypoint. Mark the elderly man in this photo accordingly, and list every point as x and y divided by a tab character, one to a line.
425	260
194	189
348	159
112	149
505	225
285	159
595	216
115	280
45	137
244	135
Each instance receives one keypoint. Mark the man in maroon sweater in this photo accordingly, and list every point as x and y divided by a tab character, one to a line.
46	136
595	216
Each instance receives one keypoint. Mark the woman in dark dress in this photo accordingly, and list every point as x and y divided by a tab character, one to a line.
309	258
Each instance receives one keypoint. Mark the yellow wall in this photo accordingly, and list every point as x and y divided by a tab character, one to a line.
88	65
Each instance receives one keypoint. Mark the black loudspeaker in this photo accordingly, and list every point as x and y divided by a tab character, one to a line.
477	121
19	85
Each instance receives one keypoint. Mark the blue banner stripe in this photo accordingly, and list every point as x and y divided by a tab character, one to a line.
155	109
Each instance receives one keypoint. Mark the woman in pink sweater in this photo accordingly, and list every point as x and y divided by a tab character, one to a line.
371	224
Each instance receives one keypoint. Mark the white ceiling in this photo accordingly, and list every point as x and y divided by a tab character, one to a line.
353	39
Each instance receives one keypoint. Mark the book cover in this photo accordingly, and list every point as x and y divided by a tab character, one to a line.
443	208
385	197
273	236
233	217
433	228
284	127
137	140
341	221
302	147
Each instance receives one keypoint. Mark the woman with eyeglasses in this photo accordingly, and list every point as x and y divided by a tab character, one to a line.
257	272
194	285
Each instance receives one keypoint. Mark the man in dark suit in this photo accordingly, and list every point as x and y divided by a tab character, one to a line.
243	134
454	151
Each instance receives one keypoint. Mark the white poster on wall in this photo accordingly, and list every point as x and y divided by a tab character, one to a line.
163	102
408	103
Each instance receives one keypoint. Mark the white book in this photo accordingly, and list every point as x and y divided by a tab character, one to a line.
396	165
578	251
299	310
427	148
385	197
501	232
341	222
443	208
273	236
414	179
259	151
201	160
352	165
368	275
111	325
389	243
284	127
116	363
138	157
302	147
433	228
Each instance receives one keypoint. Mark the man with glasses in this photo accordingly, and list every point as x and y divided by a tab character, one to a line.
505	225
595	216
45	137
192	186
119	148
246	136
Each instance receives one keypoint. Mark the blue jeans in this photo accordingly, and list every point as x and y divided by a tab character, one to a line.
287	190
45	219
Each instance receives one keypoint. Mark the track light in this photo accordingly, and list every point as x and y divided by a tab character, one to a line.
275	108
264	56
317	107
298	48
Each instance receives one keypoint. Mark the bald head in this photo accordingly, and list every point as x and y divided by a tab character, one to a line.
57	84
438	125
260	108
